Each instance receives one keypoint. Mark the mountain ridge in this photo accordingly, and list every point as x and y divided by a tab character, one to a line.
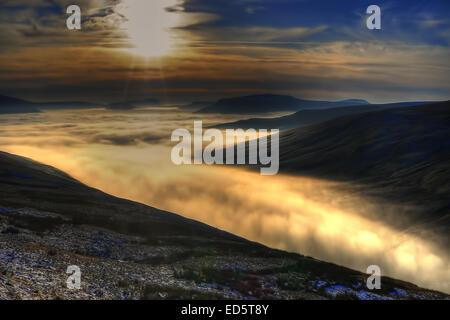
11	105
310	116
266	103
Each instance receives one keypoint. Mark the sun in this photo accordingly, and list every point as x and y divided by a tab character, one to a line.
148	25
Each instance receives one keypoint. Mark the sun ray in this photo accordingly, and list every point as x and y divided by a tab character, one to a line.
149	24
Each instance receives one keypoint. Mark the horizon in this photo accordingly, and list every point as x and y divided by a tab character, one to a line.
201	50
174	103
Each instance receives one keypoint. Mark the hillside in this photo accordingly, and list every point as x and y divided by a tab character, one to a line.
9	105
400	155
14	105
266	103
127	250
196	105
68	105
309	117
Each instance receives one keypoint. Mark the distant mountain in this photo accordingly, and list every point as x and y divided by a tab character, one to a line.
309	117
266	103
125	105
5	100
351	102
132	104
68	105
121	106
197	105
144	102
10	105
127	250
14	105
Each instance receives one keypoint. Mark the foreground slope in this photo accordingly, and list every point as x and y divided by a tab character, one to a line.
127	250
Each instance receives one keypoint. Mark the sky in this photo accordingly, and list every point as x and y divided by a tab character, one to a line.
188	50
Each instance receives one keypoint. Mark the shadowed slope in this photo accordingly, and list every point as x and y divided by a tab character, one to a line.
265	103
309	117
9	105
25	183
400	154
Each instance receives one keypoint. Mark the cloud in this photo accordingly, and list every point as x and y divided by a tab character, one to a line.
216	54
43	24
129	139
28	3
252	34
254	9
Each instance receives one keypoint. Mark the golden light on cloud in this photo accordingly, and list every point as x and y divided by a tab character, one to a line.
290	213
149	24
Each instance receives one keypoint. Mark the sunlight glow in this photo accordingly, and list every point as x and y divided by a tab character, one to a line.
149	25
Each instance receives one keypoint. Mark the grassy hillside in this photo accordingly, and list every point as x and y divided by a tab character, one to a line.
400	155
309	117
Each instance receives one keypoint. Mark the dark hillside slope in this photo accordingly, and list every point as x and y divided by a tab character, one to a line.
10	105
27	183
401	154
309	117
